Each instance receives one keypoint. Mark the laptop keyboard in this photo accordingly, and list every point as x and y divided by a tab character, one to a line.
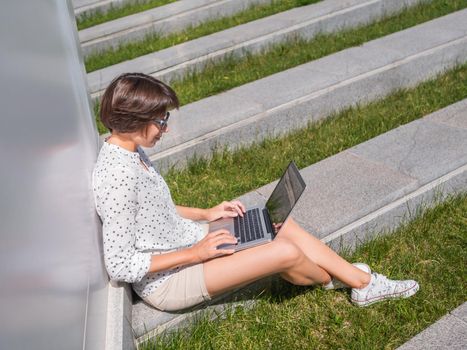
248	227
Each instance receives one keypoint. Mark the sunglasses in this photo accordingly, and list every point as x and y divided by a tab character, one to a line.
162	123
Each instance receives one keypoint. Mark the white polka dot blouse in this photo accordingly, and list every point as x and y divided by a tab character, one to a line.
138	216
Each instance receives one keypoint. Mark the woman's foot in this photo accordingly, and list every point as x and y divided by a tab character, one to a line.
336	284
381	288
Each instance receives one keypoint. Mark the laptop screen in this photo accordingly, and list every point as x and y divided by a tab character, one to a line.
285	195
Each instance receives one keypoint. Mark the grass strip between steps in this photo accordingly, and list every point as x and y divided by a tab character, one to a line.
88	20
230	174
430	249
233	72
156	42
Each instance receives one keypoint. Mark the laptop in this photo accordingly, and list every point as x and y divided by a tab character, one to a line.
260	225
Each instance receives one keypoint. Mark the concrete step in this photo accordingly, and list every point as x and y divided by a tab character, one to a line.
323	17
148	322
352	196
313	91
449	333
87	7
164	19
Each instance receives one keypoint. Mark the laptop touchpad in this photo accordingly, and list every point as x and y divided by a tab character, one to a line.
223	224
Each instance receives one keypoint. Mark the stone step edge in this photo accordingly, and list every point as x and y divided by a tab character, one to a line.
214	138
183	321
216	308
333	20
417	201
90	7
449	332
119	334
167	19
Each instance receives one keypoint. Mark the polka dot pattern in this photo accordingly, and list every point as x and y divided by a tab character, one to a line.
139	217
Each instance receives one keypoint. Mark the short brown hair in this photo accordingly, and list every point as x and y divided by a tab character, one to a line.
134	99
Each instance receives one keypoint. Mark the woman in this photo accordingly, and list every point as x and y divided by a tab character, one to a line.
171	260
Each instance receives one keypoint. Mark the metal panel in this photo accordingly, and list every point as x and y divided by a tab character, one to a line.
51	265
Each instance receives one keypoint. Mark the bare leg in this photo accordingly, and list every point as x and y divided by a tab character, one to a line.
280	256
296	255
323	256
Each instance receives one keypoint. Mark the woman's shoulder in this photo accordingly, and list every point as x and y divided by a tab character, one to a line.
112	165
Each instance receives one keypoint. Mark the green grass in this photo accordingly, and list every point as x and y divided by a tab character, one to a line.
230	174
430	249
156	42
233	72
88	20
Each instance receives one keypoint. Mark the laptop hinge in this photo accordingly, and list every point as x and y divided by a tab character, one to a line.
267	221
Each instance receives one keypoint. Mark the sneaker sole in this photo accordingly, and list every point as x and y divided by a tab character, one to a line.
401	295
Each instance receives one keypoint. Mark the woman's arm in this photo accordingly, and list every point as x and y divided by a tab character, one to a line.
195	214
203	250
167	261
206	248
223	210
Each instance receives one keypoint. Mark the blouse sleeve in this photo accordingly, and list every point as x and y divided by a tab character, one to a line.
117	206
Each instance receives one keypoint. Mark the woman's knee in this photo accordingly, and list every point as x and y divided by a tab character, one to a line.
288	253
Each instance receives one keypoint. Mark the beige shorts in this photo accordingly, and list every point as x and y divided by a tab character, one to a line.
182	290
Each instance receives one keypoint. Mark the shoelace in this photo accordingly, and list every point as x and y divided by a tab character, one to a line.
383	281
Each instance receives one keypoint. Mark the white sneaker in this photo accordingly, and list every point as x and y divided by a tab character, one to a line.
336	284
381	288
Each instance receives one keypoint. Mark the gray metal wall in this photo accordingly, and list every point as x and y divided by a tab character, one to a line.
53	287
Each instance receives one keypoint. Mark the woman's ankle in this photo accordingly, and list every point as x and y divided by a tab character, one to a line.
364	276
365	282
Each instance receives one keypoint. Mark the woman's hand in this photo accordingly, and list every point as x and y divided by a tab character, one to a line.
207	248
277	227
225	210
